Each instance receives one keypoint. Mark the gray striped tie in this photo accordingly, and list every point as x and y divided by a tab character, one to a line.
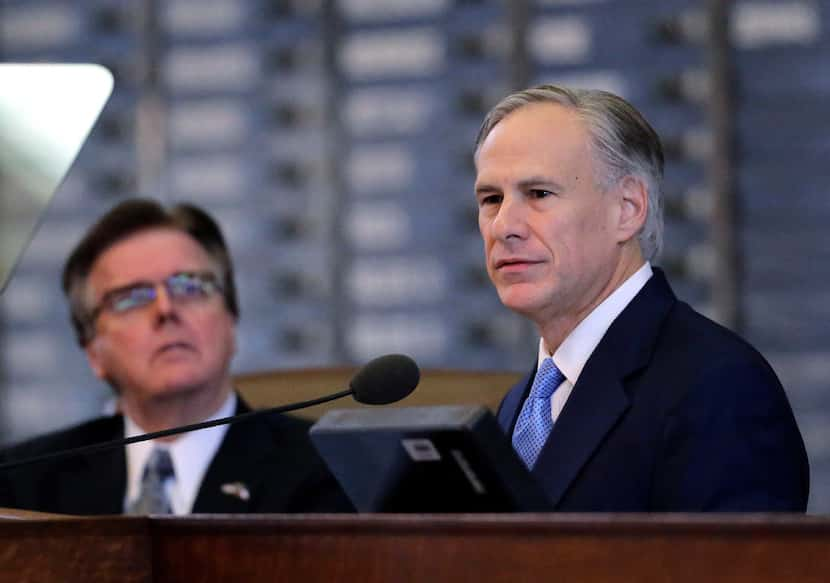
153	498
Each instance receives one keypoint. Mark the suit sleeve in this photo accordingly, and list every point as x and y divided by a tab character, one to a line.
6	498
732	445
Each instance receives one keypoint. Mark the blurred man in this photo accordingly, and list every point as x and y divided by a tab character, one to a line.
153	302
637	402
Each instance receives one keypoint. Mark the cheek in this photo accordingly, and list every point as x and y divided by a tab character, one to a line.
555	234
218	333
483	229
114	353
581	232
486	239
120	342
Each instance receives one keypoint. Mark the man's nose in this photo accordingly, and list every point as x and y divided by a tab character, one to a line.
164	304
511	219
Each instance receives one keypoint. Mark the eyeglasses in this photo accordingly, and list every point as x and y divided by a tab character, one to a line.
183	286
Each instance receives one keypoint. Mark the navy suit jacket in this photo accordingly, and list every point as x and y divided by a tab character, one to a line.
671	413
271	455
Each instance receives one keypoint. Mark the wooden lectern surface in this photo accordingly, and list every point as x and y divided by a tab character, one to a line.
70	550
418	548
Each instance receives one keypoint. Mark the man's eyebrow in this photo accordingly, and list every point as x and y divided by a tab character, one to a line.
523	184
539	181
127	287
484	188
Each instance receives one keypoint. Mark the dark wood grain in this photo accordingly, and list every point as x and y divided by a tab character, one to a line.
496	548
382	548
70	550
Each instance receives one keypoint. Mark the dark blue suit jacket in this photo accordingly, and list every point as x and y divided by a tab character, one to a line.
672	413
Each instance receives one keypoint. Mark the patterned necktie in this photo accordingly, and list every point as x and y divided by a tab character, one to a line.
535	423
153	498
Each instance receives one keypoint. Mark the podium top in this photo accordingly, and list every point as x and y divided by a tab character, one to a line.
447	548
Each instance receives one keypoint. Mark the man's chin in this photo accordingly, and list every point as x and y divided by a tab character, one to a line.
179	385
520	299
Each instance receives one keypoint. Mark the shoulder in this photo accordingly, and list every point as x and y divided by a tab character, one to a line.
721	382
277	426
88	432
709	344
693	367
281	439
286	428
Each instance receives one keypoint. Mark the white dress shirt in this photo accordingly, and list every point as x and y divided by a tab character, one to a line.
573	353
191	454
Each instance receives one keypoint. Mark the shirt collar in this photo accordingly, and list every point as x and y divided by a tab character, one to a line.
191	453
573	353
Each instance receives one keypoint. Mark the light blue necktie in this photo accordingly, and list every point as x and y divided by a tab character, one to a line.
153	498
535	423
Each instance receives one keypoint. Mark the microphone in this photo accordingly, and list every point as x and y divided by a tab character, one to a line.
381	381
385	380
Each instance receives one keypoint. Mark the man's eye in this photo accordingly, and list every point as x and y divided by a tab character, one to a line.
132	298
490	199
186	287
540	193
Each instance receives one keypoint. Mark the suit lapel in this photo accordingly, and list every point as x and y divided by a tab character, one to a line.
511	405
95	483
234	475
596	403
599	397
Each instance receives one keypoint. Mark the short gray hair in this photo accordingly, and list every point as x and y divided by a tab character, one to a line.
623	142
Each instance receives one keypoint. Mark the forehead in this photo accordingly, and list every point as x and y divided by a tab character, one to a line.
147	255
541	134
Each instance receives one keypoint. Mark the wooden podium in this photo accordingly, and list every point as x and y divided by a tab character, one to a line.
414	548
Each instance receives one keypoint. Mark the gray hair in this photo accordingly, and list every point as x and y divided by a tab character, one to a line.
623	142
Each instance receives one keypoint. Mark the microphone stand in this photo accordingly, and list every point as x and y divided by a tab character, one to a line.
96	447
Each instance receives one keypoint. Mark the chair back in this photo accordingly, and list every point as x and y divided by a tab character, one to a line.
437	387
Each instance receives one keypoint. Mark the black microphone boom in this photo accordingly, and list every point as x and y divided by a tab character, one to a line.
381	381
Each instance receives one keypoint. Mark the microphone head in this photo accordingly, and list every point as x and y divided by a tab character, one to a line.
385	380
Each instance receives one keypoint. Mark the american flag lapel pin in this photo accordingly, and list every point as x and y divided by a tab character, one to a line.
237	490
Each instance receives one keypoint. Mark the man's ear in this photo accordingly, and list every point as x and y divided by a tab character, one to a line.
633	199
93	356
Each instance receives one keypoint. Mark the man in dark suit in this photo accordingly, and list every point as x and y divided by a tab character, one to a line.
637	402
153	303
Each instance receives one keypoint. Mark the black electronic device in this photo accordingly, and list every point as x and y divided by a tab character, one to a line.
426	460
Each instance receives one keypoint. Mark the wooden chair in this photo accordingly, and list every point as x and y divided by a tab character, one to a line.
437	387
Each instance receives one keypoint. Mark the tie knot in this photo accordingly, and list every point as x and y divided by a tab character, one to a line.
548	378
160	464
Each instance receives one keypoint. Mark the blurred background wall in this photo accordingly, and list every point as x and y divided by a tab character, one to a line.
332	140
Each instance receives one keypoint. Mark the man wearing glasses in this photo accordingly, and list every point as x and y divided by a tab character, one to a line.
153	303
